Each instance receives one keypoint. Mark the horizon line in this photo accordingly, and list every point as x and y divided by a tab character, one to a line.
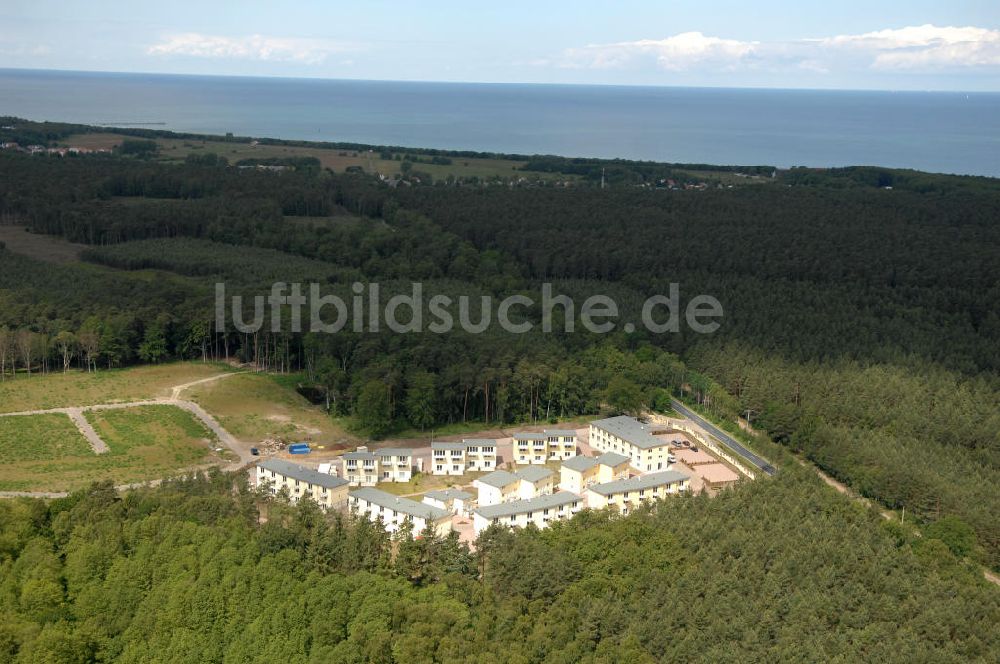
500	83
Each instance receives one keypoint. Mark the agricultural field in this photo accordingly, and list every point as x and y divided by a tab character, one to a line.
48	453
87	389
339	160
256	407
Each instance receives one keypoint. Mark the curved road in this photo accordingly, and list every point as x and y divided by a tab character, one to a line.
729	441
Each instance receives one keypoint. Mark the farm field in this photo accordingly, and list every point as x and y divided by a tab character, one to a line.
48	248
87	389
255	407
47	453
179	148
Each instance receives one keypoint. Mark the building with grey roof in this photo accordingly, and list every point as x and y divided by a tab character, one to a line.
626	494
540	510
645	445
393	511
300	481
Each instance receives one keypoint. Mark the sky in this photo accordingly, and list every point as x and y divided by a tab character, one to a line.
847	44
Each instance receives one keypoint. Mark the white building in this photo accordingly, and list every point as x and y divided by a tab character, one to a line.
540	511
549	445
502	486
326	490
393	511
447	458
646	446
455	501
361	467
480	454
580	472
395	464
625	495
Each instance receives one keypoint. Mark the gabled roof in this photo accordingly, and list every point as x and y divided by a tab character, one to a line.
533	473
360	456
641	482
401	505
580	463
301	473
394	451
560	432
612	459
499	479
632	431
480	441
530	505
529	435
442	445
448	494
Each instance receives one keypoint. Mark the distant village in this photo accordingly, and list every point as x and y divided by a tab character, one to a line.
531	478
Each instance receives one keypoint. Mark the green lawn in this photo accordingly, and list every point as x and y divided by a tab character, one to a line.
86	389
146	443
38	438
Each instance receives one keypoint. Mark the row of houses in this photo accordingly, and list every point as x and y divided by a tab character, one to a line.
540	448
473	454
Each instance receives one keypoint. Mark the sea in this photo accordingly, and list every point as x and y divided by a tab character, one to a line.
945	132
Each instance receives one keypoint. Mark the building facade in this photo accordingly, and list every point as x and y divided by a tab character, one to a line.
540	511
480	454
580	472
646	446
361	467
447	458
395	464
502	486
328	491
532	448
454	501
625	495
392	512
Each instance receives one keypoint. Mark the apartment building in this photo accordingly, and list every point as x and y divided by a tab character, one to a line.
549	445
480	454
647	446
502	486
361	467
455	501
393	511
448	458
327	490
580	472
395	464
541	511
561	443
625	495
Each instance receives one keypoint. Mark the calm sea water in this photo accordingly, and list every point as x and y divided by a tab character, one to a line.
932	131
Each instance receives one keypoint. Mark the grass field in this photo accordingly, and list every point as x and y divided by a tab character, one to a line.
46	453
40	437
258	406
338	160
87	389
48	248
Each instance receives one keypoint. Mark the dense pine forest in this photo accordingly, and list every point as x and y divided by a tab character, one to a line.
861	333
192	572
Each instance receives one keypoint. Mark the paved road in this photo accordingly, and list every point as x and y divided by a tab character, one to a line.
730	442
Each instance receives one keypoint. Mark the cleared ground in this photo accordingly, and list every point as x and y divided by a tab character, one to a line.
47	453
86	389
256	407
48	248
39	437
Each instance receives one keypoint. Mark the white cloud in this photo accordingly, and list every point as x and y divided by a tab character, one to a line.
925	47
251	47
915	48
677	53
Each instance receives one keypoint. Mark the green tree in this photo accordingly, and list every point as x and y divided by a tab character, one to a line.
372	408
420	393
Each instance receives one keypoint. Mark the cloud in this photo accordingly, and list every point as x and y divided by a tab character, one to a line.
915	48
677	53
251	47
925	47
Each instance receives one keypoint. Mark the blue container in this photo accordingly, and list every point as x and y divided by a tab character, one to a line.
299	448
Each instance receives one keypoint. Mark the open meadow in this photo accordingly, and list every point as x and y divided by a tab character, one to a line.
86	389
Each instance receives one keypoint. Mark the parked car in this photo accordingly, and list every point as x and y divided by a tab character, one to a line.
254	451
